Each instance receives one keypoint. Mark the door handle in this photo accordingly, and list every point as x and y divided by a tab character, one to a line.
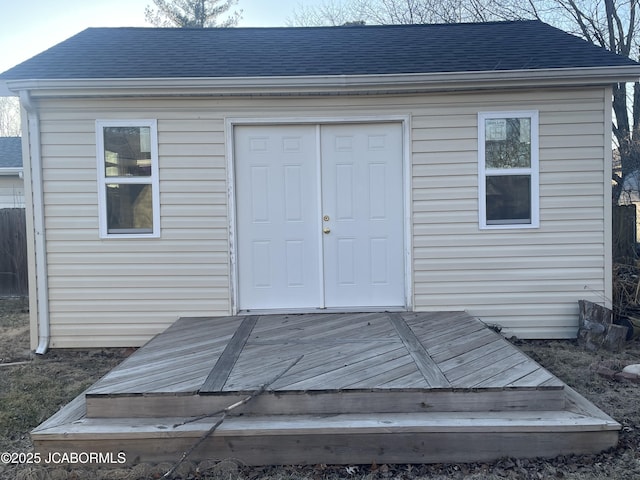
326	230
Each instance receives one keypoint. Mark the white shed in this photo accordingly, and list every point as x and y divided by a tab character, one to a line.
209	172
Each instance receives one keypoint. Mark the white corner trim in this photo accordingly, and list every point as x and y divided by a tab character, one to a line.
608	204
231	215
408	216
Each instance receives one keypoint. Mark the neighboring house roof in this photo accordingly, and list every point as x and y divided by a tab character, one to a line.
127	53
10	153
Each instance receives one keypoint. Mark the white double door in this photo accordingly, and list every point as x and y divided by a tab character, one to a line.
319	216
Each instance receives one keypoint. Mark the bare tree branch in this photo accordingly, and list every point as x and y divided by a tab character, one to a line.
328	13
224	412
9	117
615	29
632	25
610	24
191	13
534	10
579	17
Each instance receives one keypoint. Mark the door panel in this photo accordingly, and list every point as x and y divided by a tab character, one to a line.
284	259
277	217
362	197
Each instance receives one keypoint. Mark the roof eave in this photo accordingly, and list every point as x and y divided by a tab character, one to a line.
5	91
329	84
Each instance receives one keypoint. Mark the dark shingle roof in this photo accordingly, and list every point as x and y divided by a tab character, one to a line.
360	50
10	152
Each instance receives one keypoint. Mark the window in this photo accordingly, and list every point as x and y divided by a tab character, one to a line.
128	178
508	170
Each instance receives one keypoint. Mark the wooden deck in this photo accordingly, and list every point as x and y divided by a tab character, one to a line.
384	387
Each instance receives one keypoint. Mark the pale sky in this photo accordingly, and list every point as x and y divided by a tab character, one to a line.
28	27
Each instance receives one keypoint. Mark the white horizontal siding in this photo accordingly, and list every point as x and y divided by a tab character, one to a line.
11	192
120	292
528	281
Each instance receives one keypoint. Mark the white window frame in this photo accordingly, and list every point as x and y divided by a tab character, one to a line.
152	180
533	171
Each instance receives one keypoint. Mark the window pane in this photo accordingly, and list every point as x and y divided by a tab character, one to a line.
129	208
127	151
508	143
508	199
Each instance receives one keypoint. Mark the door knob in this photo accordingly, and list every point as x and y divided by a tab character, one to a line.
326	230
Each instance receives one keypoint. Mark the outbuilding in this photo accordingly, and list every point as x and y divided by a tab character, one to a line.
214	172
11	185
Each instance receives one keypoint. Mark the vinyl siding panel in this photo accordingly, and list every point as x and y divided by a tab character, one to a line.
527	281
119	292
11	191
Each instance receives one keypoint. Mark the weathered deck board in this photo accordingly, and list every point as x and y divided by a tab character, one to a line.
449	339
331	402
488	369
155	376
72	412
368	365
512	374
180	357
434	422
434	330
315	371
386	373
491	358
538	376
460	361
189	329
410	380
386	387
449	350
441	353
315	327
347	439
363	327
259	361
421	357
227	360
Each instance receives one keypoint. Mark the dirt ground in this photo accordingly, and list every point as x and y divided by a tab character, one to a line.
34	387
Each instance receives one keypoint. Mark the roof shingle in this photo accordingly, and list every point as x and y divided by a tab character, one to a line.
10	152
127	53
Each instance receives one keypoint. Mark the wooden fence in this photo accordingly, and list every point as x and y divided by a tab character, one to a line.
13	253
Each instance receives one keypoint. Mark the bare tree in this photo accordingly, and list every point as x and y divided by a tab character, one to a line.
610	24
407	11
613	25
385	12
192	13
9	117
335	12
328	13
